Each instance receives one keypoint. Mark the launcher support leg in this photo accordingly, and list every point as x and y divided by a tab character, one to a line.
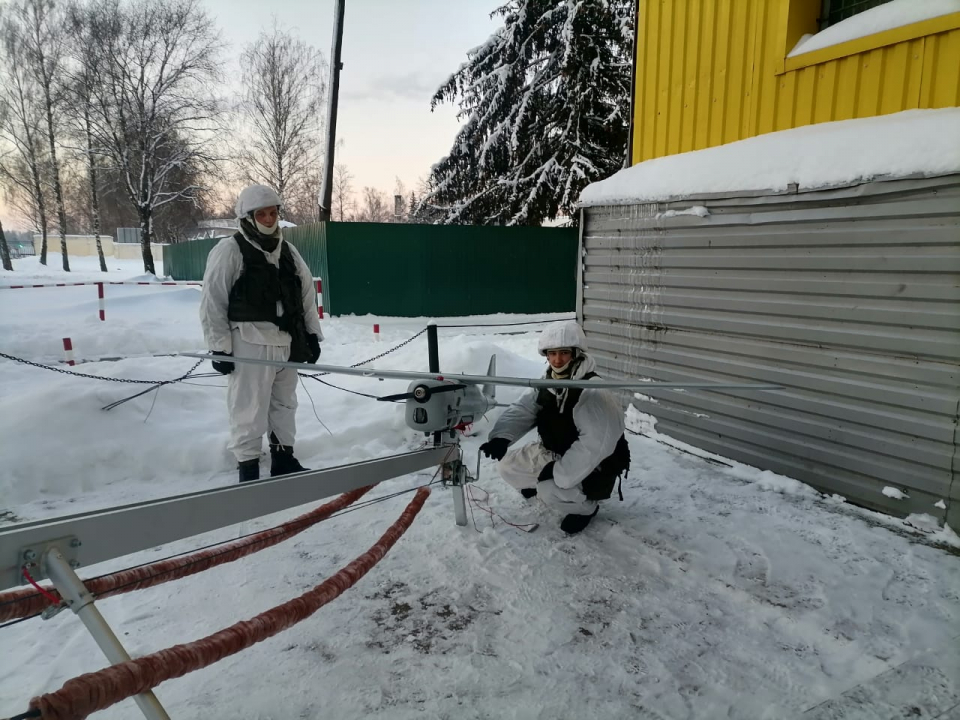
455	476
459	501
79	599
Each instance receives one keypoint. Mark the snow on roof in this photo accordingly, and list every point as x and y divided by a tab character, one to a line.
910	143
888	16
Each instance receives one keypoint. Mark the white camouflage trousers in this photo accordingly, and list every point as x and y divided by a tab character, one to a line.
260	399
521	467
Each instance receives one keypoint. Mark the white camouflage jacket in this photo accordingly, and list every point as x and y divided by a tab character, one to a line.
224	265
598	417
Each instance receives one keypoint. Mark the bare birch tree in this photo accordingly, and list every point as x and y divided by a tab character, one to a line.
342	191
155	112
84	78
43	40
21	164
281	111
5	250
376	207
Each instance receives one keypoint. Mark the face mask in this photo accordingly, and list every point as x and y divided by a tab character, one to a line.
265	229
563	369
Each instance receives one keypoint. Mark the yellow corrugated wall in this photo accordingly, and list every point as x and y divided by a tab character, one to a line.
713	71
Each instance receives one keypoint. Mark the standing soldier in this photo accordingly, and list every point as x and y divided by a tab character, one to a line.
259	302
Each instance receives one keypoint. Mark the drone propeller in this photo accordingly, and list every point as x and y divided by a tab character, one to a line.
422	393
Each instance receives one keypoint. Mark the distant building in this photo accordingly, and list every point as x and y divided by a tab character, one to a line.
125	247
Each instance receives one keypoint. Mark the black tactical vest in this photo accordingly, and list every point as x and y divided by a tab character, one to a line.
558	432
254	296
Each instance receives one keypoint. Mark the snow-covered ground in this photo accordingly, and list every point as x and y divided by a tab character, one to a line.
714	590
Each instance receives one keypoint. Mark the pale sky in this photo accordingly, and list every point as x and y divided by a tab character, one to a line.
395	54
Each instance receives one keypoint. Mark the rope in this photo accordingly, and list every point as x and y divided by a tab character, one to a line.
96	691
23	603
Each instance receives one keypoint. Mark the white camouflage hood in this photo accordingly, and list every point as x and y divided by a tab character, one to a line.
565	334
255	197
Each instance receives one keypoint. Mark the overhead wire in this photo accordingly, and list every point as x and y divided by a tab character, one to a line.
509	324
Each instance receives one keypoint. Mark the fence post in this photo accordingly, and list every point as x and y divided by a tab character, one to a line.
433	359
68	350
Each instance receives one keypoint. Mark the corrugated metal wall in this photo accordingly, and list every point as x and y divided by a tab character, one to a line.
188	260
848	298
713	71
424	270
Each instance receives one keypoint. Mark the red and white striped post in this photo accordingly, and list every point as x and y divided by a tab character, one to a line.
68	351
320	298
103	306
376	331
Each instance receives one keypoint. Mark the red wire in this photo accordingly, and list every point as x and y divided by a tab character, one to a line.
475	502
490	512
49	596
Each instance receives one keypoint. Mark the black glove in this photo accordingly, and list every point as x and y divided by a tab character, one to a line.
495	448
314	342
547	472
224	368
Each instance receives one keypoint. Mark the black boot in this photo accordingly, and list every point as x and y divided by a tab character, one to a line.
528	492
573	524
249	470
282	461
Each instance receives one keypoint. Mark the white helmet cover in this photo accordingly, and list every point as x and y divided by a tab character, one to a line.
566	334
255	197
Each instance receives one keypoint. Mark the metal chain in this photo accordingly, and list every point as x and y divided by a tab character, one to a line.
186	374
377	357
102	377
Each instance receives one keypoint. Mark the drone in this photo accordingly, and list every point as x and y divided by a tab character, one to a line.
445	402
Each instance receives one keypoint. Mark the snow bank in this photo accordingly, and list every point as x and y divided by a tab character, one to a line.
914	142
885	17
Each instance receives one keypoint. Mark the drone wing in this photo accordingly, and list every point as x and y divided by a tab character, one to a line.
493	380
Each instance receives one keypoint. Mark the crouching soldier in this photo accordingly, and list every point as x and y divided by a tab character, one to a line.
582	450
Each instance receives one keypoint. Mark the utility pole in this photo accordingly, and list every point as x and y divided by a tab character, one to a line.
326	191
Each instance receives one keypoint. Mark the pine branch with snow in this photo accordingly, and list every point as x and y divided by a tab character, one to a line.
545	105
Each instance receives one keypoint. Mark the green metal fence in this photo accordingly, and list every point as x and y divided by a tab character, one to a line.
424	270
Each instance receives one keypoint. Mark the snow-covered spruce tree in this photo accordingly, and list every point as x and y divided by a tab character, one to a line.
546	105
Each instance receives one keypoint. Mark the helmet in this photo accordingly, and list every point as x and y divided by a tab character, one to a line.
566	334
255	197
